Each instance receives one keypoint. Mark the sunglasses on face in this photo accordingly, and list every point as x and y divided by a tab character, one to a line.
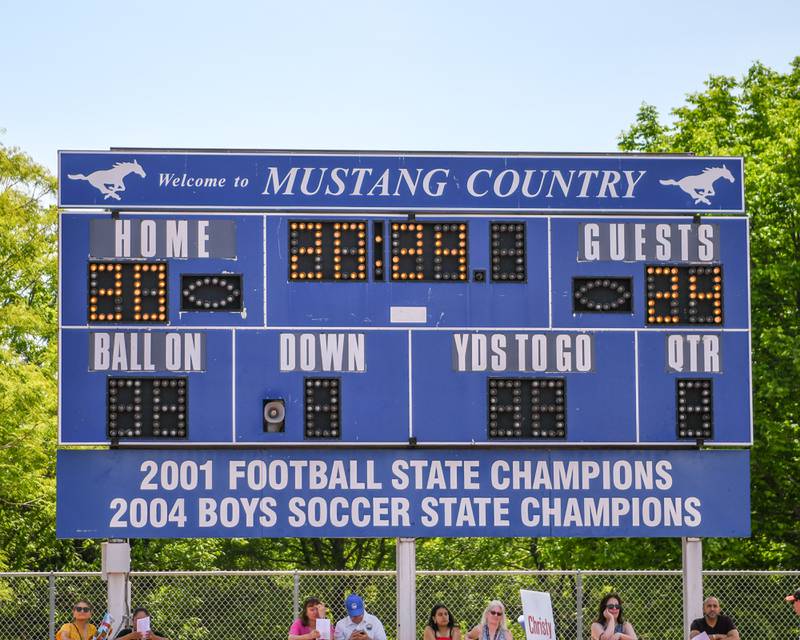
496	613
612	606
82	609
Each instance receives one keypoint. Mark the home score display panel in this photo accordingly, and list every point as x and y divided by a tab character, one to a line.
364	329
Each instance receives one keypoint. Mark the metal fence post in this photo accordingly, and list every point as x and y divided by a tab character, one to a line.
116	565
296	595
579	605
406	586
52	585
692	549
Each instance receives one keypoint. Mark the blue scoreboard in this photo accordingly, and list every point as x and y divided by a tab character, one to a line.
331	302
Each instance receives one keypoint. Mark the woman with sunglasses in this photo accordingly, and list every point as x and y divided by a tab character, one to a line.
441	625
80	628
610	623
493	624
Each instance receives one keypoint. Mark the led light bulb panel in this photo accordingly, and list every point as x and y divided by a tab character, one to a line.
684	295
429	251
508	252
602	295
128	292
211	292
322	408
527	408
327	251
694	399
378	251
147	407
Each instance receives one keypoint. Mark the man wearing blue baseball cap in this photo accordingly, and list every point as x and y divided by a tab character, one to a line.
358	624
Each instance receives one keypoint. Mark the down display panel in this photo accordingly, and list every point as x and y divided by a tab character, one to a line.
390	330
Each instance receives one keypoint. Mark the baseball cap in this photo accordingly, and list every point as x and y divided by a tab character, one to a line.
354	605
793	597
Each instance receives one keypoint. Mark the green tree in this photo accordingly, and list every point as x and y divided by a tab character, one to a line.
267	553
758	118
28	367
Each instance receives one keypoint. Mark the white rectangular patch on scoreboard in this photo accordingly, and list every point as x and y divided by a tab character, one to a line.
409	314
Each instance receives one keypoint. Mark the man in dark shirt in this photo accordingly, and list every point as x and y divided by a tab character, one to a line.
132	634
716	625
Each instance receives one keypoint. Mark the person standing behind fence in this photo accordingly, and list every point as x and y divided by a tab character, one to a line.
795	600
493	624
716	625
610	623
441	625
305	627
358	624
80	628
130	633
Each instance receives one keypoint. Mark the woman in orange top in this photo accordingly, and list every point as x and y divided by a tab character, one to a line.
80	628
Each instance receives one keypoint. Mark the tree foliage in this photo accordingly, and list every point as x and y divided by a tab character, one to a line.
28	367
758	118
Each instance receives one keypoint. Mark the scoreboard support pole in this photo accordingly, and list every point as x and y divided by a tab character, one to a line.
692	557
406	560
116	565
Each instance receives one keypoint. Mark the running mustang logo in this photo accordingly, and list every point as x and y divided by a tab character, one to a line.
701	186
109	181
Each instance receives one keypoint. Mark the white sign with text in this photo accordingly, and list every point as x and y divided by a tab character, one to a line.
537	611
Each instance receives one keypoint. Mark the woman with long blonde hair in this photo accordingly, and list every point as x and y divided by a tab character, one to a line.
493	625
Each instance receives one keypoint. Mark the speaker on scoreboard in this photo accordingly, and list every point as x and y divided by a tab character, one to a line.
274	416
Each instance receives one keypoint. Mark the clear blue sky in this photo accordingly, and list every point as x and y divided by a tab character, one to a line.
504	76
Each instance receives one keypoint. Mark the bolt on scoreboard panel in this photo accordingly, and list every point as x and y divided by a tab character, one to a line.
377	328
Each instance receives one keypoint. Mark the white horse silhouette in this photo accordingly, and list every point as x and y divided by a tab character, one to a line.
701	186
109	181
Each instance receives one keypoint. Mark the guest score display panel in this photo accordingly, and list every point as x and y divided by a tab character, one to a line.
253	329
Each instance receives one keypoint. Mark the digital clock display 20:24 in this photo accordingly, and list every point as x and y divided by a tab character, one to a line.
334	251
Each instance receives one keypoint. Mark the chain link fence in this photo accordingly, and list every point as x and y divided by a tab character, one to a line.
261	605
